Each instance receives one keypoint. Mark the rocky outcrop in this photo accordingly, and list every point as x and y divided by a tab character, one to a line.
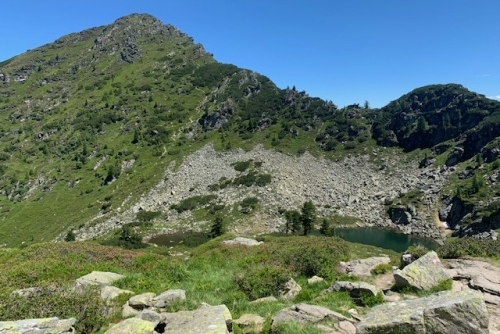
362	267
423	274
305	313
444	312
38	326
478	275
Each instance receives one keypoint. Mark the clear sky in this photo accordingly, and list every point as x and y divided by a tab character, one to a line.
347	51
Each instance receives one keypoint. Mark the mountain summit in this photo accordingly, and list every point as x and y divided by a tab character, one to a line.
95	124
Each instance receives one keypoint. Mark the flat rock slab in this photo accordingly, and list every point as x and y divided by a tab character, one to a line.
132	325
305	313
243	241
101	278
206	319
39	326
480	276
423	274
363	267
444	312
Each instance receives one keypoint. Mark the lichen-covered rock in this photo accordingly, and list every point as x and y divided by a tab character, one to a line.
355	289
101	278
290	290
168	297
269	299
445	312
423	274
206	319
132	325
108	293
150	315
250	323
141	301
38	326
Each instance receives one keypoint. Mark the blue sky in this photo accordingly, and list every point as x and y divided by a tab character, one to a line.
346	51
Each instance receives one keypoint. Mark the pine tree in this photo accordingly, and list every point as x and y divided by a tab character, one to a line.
217	228
308	216
325	226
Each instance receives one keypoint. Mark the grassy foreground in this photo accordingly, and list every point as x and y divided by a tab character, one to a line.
212	273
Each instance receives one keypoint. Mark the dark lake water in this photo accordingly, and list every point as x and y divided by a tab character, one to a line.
383	238
378	237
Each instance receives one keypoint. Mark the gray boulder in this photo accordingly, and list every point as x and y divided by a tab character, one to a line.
141	301
445	312
355	289
132	325
206	319
168	297
38	326
422	274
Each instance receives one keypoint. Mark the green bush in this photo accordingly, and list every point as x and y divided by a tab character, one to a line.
262	281
367	299
64	302
311	256
382	268
192	203
146	216
460	247
242	166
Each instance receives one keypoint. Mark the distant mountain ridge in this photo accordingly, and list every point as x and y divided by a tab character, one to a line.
90	123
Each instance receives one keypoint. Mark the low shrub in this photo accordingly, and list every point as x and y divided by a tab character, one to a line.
456	248
381	269
367	299
65	302
262	281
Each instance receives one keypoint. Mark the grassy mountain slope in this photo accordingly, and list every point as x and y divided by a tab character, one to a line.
90	122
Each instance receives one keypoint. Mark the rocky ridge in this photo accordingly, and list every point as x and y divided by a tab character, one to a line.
354	186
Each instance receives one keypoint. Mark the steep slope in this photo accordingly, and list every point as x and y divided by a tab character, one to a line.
90	123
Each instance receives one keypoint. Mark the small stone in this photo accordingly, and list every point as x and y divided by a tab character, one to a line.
315	279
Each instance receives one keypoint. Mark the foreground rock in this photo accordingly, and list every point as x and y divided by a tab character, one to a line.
132	325
444	312
423	274
305	313
206	319
243	241
38	326
478	275
362	267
